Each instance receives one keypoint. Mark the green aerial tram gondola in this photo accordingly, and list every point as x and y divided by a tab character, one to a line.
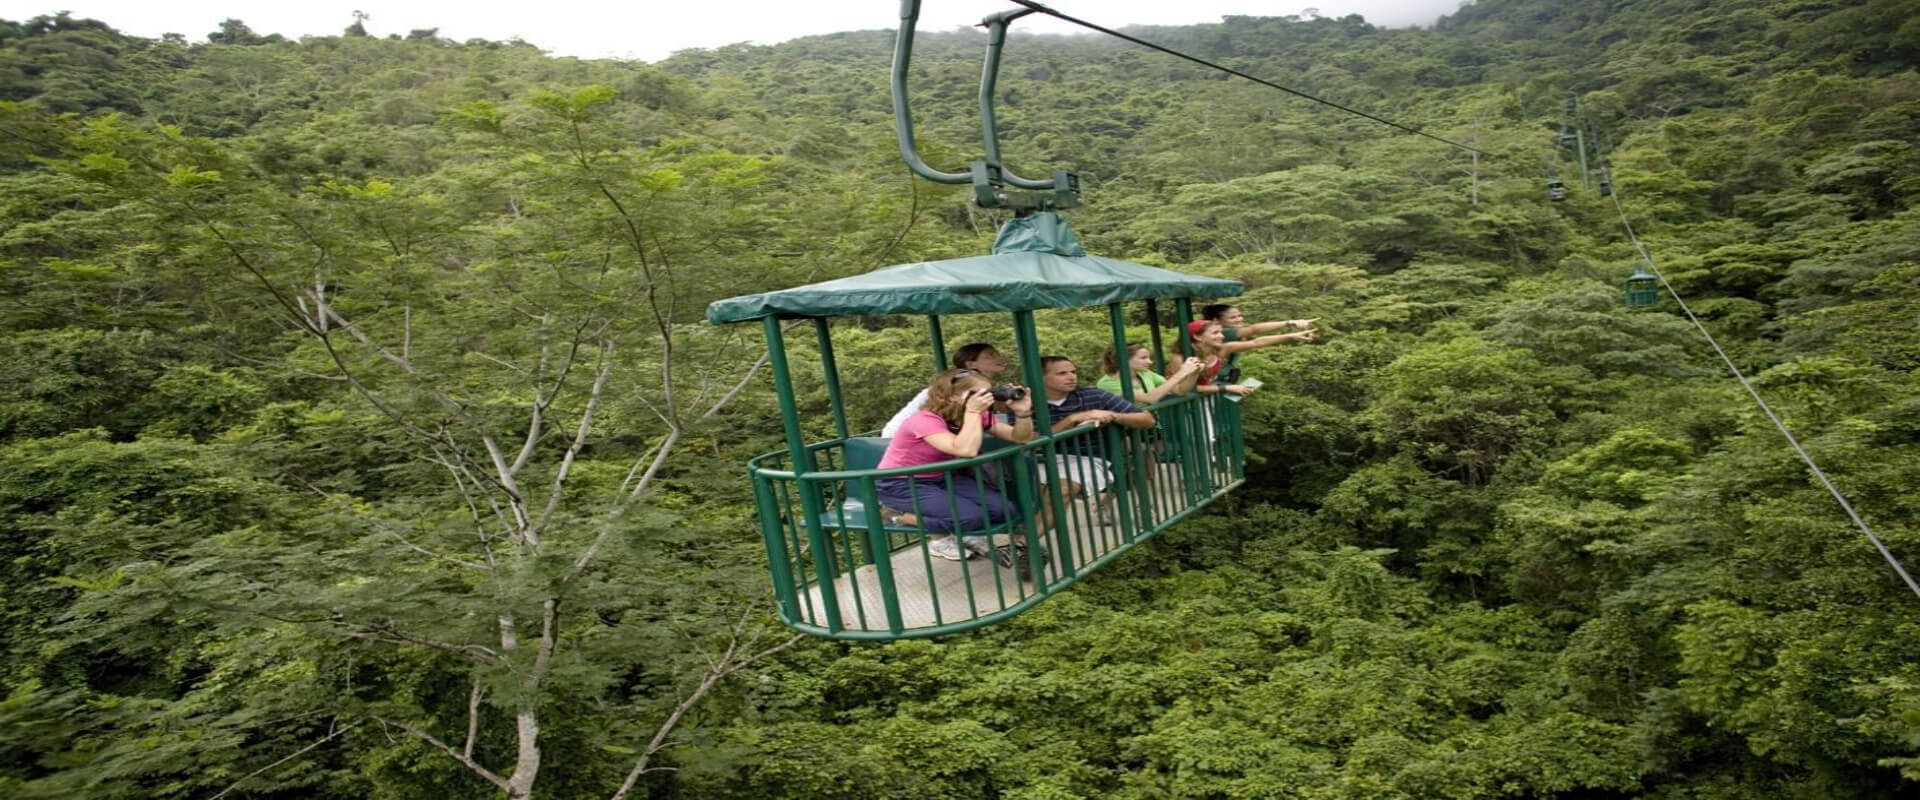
1642	287
844	567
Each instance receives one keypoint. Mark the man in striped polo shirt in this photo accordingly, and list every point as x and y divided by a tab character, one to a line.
1082	460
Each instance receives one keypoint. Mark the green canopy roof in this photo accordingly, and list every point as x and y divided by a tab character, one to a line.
1037	263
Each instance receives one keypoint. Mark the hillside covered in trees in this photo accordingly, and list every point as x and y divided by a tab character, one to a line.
361	435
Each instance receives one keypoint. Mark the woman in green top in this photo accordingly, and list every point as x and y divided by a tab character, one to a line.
1149	387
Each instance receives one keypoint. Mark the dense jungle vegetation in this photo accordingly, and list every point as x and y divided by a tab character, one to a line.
361	435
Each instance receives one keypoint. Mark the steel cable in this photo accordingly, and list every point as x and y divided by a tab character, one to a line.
1641	248
1038	7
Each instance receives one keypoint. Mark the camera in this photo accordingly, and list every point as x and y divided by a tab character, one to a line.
1002	394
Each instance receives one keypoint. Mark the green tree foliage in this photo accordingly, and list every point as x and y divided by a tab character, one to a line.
361	436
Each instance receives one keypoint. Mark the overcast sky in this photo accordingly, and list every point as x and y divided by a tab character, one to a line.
652	29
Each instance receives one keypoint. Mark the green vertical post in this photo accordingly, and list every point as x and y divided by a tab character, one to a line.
1123	456
802	462
832	372
1028	338
1153	329
1196	448
797	454
939	343
882	564
1117	322
1231	431
1183	311
1127	448
777	554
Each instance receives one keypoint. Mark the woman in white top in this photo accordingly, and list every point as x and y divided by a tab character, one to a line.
979	357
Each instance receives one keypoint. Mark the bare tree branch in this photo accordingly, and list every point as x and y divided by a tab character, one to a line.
458	562
337	733
385	632
659	458
664	419
536	416
463	478
639	462
913	215
314	321
579	438
549	640
393	530
727	665
463	758
606	529
737	387
473	717
580	336
637	239
453	407
503	363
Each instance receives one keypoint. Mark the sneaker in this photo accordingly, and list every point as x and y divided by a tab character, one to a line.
1015	556
979	546
948	549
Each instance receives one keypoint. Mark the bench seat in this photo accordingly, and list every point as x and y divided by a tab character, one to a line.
852	509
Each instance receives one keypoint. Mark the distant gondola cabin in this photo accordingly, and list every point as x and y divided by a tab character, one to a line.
1643	287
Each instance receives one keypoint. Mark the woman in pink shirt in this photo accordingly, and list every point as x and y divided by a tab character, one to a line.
953	424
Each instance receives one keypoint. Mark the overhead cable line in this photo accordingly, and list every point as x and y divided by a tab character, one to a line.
1231	71
1647	257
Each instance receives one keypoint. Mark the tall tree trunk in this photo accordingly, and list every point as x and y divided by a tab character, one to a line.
526	767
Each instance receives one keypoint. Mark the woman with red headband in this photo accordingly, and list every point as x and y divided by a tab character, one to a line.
1214	351
1234	326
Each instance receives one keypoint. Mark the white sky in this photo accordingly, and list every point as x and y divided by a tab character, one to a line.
652	29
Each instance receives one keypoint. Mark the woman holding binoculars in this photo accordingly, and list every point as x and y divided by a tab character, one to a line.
952	425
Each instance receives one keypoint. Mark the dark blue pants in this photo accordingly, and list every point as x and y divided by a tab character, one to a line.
969	507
